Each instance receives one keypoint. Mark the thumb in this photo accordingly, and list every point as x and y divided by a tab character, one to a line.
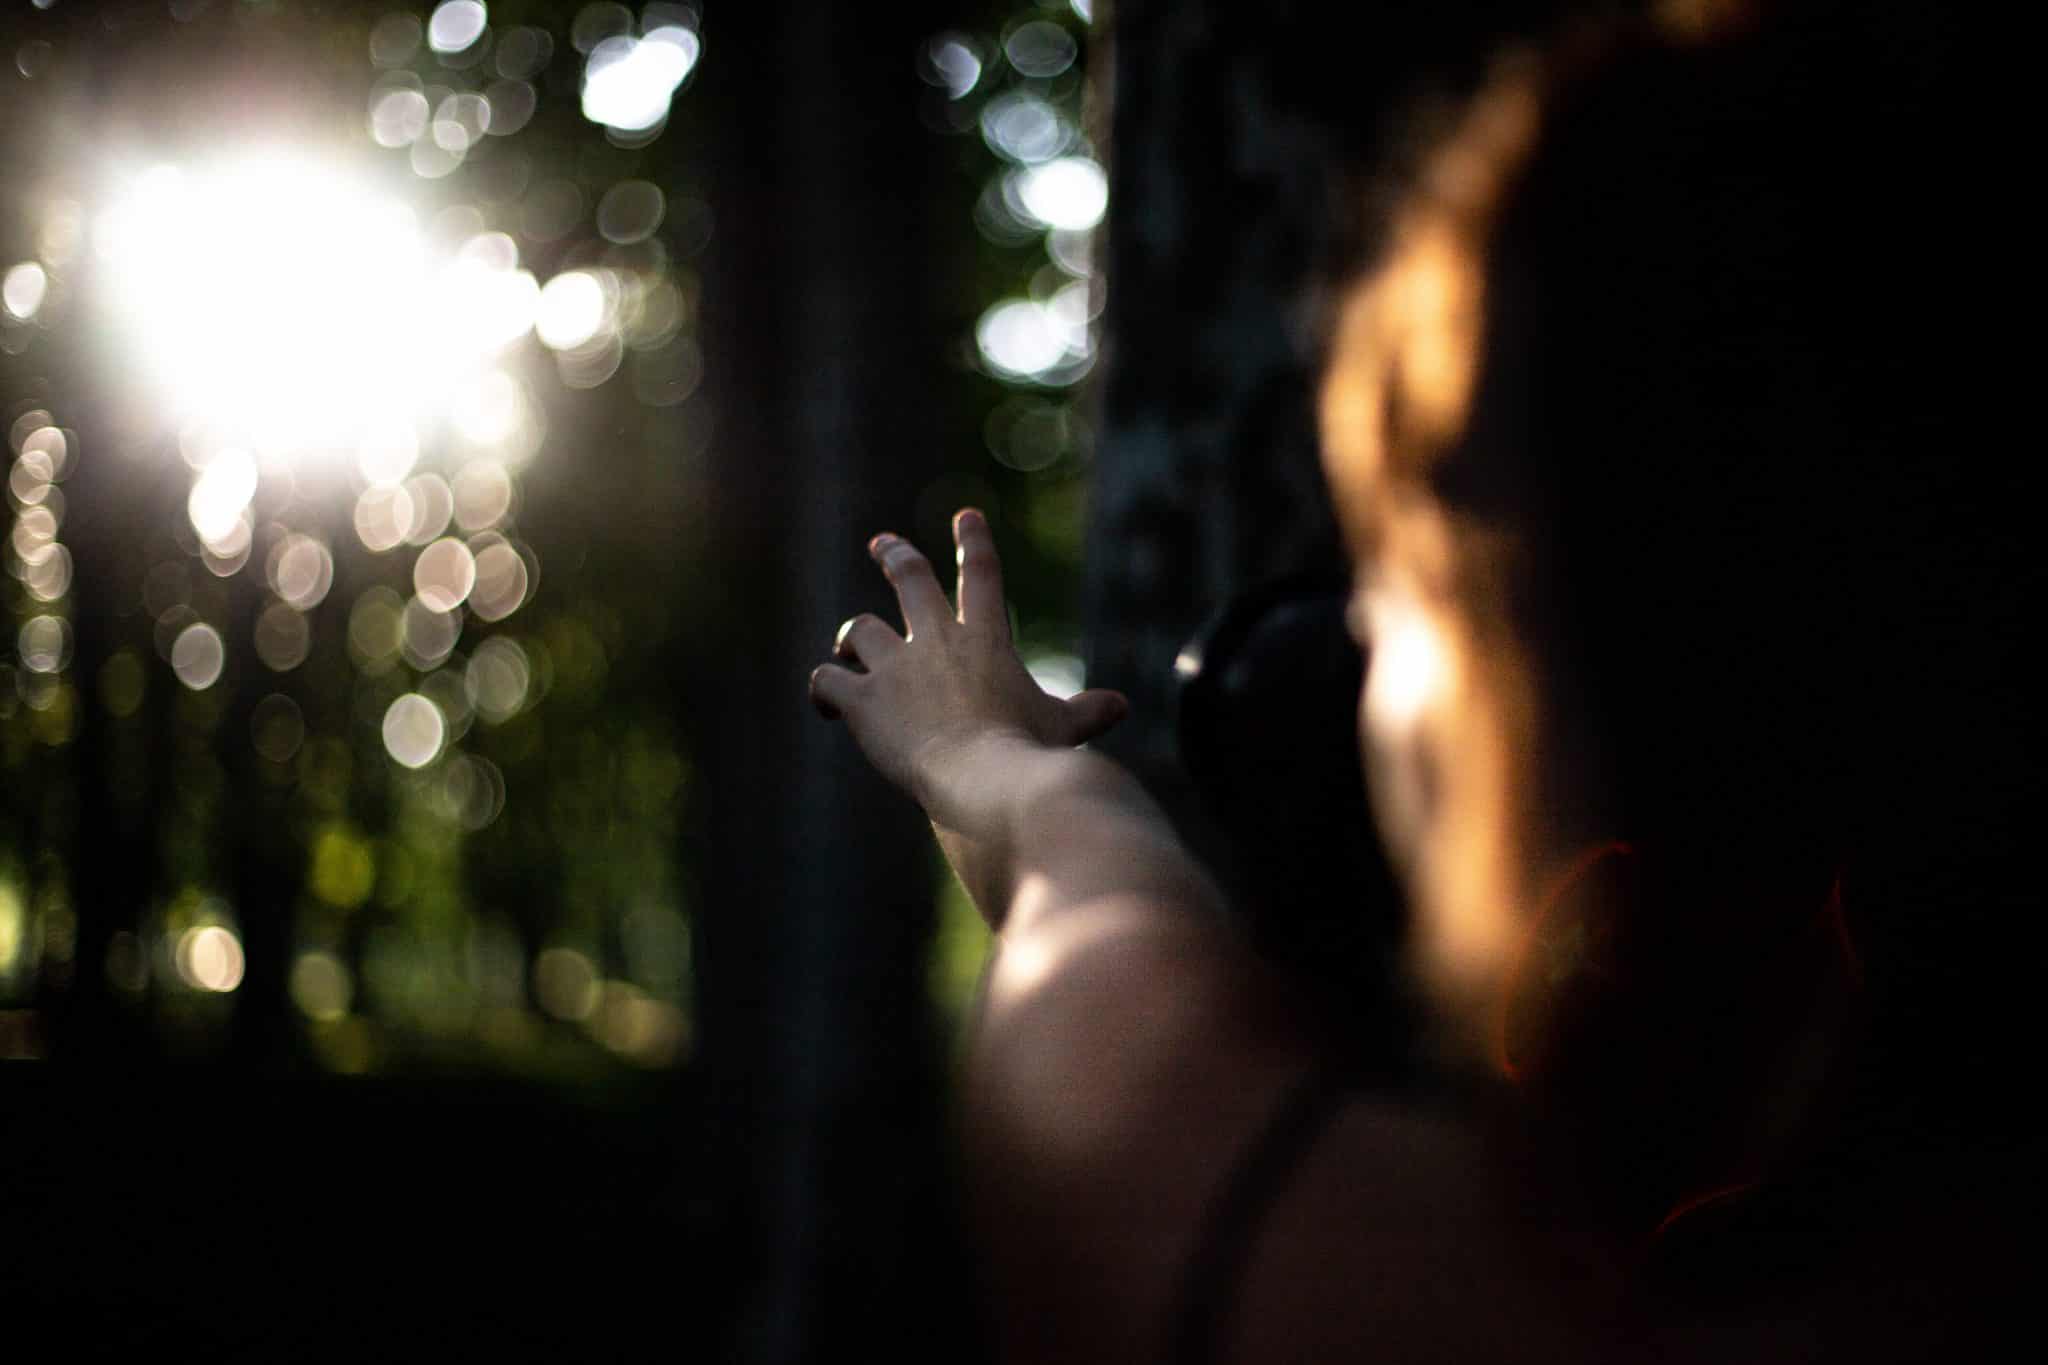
1090	714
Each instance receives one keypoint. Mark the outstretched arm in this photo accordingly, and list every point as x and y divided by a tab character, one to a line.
1129	1048
1031	824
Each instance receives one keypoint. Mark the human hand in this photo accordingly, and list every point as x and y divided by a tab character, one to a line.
935	708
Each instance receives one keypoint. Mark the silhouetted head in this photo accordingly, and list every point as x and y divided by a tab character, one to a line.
1655	434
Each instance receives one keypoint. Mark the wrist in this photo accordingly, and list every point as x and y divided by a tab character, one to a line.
971	783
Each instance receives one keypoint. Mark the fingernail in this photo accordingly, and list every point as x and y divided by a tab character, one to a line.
967	513
880	543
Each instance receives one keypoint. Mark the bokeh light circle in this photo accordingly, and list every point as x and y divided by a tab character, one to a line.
383	518
483	494
277	728
630	211
432	507
209	958
501	583
454	25
428	637
444	574
498	679
283	638
301	571
198	655
413	731
573	306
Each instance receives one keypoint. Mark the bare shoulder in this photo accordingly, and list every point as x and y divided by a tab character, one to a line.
1128	1065
1125	1060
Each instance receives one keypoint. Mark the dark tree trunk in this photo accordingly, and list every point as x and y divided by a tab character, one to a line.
819	880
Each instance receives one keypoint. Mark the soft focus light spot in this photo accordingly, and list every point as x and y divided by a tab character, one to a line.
22	427
52	442
170	623
523	53
383	516
322	986
497	679
502	582
596	360
413	730
1024	128
209	959
427	636
33	57
34	538
551	210
1017	338
301	571
472	792
343	870
1040	49
512	105
432	505
198	656
432	159
51	579
630	211
565	983
573	306
454	25
376	628
483	495
446	688
28	482
628	82
23	289
283	638
460	121
1070	309
598	21
397	117
1070	193
277	728
1029	434
44	644
1072	251
952	63
221	495
639	1027
394	39
444	574
488	303
659	316
1058	675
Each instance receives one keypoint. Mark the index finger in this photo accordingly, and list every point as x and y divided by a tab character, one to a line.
981	573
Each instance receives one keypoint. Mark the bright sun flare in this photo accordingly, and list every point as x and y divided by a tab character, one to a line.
285	305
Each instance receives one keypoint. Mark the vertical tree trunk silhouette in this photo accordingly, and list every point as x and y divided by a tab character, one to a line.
819	882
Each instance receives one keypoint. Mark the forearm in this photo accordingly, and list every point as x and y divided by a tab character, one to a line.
1032	830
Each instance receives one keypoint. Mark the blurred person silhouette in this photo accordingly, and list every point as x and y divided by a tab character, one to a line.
1695	722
